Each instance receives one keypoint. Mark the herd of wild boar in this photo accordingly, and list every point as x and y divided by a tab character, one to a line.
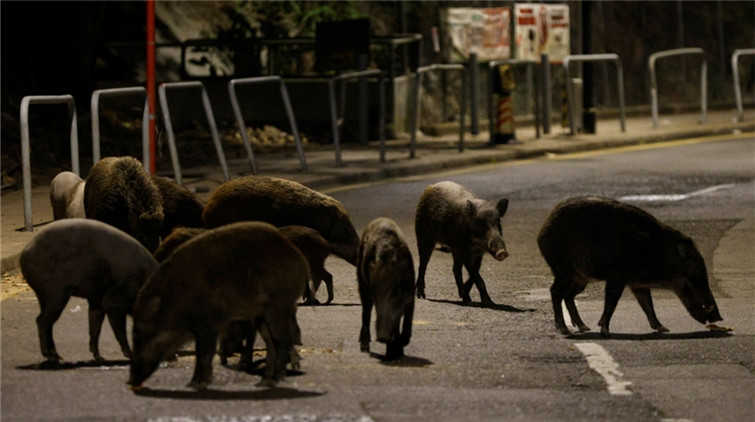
134	243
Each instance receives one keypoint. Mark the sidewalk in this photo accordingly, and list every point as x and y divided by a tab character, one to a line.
361	163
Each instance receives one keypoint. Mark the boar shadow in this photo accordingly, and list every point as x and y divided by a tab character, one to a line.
275	393
651	336
404	361
494	306
48	365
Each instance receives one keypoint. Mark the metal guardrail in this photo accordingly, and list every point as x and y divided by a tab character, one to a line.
654	82
619	77
95	109
169	126
335	116
26	150
492	66
735	71
417	90
233	83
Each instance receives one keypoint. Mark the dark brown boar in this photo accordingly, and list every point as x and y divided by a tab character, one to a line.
176	238
469	227
240	272
181	207
594	238
89	259
120	193
67	196
282	202
385	272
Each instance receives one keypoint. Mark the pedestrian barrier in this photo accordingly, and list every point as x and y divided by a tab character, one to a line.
418	89
95	109
25	148
335	116
169	126
233	83
735	71
610	57
492	68
654	82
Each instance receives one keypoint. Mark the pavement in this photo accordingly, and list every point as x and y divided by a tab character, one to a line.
434	153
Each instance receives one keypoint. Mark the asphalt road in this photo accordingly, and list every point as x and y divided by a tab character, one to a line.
471	363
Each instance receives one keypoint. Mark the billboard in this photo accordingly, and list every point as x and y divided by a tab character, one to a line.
485	32
541	28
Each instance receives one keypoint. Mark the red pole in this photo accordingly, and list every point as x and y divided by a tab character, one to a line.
151	81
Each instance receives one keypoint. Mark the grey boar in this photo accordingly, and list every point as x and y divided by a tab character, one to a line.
181	207
593	238
120	193
67	196
88	259
385	272
240	272
451	215
282	202
309	242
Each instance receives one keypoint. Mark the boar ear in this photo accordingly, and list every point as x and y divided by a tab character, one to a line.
502	206
471	208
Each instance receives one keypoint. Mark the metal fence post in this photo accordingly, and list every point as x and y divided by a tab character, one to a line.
545	68
735	72
95	109
594	58
475	82
26	149
654	81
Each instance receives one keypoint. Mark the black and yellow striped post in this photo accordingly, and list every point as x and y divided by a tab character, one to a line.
504	124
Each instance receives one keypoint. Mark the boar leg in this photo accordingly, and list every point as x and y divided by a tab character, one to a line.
406	329
646	302
425	245
557	296
614	289
578	285
117	320
460	285
276	331
50	312
473	268
96	317
364	334
205	342
328	279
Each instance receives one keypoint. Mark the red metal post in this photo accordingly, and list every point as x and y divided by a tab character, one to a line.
151	81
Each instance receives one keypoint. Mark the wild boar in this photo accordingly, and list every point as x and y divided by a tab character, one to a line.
176	238
181	207
282	202
593	238
385	271
89	259
120	193
451	215
239	272
67	196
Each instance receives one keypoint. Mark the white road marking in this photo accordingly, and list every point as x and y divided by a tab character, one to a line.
335	417
674	197
602	362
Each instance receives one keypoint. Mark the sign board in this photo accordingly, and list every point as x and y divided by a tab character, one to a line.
481	31
541	28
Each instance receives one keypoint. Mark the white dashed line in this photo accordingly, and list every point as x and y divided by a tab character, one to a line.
602	362
673	197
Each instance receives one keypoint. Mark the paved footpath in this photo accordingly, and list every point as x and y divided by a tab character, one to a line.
361	162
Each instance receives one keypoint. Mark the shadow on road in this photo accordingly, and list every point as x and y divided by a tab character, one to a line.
278	393
60	366
403	361
651	336
494	306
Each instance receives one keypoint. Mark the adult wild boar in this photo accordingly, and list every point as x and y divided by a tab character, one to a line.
240	272
67	196
385	272
119	192
593	238
89	259
181	207
282	202
451	215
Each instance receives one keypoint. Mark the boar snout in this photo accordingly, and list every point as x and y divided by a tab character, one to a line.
712	312
501	254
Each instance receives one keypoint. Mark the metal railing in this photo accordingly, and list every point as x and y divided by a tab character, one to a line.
95	108
654	82
735	71
26	149
233	83
335	116
610	57
416	101
169	126
492	66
